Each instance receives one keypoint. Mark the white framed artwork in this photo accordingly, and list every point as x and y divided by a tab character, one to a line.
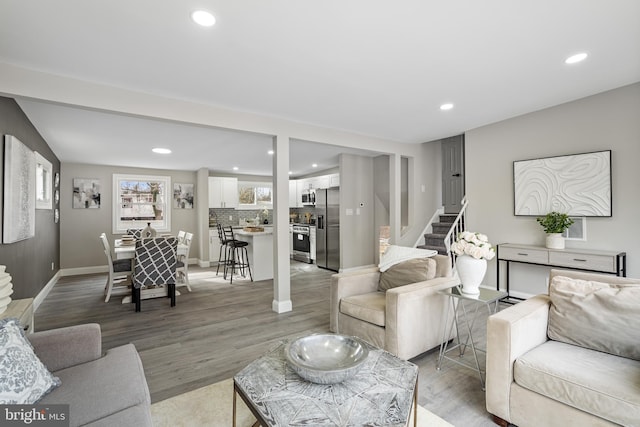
19	222
577	184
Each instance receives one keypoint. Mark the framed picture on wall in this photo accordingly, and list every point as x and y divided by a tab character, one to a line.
86	193
182	196
19	220
577	184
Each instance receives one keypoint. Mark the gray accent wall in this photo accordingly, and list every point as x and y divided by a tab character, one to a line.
29	261
606	121
80	228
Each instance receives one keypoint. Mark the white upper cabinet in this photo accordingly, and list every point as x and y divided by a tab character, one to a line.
223	192
294	198
334	180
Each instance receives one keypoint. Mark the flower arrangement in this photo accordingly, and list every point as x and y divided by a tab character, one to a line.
473	244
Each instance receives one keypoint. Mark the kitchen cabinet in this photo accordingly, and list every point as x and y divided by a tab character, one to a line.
223	192
334	180
312	242
214	246
290	241
294	194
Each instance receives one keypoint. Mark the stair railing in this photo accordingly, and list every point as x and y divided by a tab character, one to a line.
434	218
458	226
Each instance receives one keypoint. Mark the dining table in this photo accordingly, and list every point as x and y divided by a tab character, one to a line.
128	251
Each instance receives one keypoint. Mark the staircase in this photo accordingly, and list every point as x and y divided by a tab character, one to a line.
444	231
439	230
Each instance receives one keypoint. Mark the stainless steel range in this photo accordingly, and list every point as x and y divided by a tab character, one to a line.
302	243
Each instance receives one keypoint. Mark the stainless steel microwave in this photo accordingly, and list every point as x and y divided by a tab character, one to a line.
309	197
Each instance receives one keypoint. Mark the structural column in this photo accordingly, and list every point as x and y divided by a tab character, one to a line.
281	268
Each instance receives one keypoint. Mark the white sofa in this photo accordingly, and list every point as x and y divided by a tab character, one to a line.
572	379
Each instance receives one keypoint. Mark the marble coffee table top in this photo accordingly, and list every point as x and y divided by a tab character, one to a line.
381	393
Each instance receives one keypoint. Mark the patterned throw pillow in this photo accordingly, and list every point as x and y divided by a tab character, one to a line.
23	377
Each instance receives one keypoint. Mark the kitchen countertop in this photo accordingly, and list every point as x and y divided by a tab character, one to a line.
241	232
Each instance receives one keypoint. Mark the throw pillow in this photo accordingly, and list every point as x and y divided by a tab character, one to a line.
411	271
595	315
25	380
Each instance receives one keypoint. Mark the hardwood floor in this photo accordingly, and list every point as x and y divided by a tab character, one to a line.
217	329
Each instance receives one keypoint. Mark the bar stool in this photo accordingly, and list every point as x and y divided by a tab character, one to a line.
222	255
237	255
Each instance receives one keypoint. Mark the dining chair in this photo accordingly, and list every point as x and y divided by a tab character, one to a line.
237	255
181	234
182	266
155	264
135	232
119	271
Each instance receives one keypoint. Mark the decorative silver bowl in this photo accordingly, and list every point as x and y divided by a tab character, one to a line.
326	358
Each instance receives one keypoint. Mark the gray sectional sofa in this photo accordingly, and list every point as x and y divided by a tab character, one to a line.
570	358
101	389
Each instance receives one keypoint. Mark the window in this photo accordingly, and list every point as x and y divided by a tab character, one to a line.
139	199
44	179
253	195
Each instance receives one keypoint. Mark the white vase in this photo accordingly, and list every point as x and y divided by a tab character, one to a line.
471	272
555	241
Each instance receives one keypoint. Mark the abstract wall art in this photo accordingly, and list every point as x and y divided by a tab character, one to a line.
578	185
86	193
19	219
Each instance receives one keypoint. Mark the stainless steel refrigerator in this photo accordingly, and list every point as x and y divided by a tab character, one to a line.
328	228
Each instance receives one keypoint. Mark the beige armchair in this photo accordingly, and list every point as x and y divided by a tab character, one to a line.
406	321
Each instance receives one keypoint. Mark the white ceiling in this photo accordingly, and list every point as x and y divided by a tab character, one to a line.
370	67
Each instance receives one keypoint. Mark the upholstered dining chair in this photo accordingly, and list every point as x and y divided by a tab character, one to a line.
182	267
155	264
119	271
135	232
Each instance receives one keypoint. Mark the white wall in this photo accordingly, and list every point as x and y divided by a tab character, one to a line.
80	228
607	121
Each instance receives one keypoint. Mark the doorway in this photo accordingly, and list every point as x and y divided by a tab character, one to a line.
453	173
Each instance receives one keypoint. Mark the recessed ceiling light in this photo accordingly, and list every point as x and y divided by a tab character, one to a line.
315	165
235	168
204	18
447	106
161	150
270	152
574	59
290	173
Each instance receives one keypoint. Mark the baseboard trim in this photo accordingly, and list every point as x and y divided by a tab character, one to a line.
83	270
39	299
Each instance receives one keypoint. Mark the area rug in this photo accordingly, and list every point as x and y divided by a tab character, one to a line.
212	406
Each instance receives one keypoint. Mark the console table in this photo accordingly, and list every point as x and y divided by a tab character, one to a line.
575	259
22	309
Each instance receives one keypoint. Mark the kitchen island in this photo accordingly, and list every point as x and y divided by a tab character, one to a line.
260	251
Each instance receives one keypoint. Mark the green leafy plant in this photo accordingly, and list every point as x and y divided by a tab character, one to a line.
555	222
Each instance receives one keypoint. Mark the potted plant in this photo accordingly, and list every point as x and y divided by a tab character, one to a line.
554	224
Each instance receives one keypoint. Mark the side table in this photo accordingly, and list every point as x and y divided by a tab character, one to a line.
22	309
381	393
466	318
